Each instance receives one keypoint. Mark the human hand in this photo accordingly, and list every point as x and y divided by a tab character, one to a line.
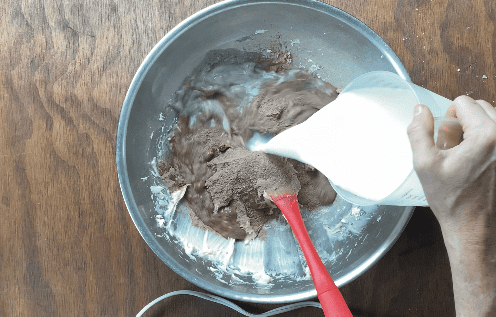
460	186
457	181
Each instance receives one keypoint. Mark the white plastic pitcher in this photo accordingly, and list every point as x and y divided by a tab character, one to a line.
392	111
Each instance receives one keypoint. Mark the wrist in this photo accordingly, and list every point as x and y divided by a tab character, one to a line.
472	255
467	228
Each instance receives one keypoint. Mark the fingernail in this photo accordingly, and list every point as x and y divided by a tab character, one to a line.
417	110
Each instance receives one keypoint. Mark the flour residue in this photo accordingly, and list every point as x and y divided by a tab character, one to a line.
262	262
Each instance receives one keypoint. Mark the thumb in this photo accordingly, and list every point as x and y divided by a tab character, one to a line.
421	135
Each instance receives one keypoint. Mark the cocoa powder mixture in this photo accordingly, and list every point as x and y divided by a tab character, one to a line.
228	97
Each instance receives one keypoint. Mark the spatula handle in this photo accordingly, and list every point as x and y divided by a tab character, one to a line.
329	295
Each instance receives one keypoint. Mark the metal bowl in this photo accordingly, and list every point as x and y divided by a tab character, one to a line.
322	39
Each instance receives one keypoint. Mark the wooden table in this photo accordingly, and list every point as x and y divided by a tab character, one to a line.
68	246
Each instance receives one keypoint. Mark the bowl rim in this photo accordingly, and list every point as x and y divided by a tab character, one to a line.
125	186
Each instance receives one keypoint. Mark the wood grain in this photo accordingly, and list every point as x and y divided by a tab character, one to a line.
67	244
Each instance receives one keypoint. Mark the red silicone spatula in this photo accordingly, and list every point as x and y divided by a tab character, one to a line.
329	295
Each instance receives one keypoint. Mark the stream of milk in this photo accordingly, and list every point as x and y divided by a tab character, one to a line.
359	141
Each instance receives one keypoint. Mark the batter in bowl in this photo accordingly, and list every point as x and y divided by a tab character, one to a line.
229	97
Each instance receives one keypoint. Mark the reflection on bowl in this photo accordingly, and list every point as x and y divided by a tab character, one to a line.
350	239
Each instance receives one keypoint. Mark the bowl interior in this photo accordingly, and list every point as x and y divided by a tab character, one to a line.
321	39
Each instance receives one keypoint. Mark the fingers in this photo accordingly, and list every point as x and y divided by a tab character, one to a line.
490	110
470	113
421	135
449	135
478	119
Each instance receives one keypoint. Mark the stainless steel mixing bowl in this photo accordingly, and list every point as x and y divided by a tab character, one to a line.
323	40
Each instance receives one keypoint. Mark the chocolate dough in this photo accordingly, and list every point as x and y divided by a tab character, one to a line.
227	181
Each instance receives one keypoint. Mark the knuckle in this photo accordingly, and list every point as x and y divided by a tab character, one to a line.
463	99
412	128
483	102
